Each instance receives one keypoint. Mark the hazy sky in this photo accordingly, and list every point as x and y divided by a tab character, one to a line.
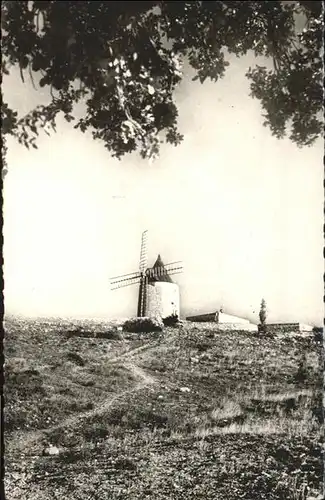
243	211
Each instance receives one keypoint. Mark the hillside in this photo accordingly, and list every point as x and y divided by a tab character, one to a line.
186	414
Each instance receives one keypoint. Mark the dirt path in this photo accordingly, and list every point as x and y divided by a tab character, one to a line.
132	352
168	339
21	441
141	374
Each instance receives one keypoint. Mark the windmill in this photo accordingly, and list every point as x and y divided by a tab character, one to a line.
158	295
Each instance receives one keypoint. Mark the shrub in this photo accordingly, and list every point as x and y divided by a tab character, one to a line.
75	358
171	320
302	371
262	329
143	325
318	334
262	313
111	334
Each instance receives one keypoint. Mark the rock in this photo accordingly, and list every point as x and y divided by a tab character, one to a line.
51	450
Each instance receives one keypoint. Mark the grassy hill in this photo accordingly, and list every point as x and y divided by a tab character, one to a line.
189	413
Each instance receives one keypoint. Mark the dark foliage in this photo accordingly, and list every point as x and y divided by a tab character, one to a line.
262	313
318	334
75	358
111	334
143	325
124	60
302	371
171	320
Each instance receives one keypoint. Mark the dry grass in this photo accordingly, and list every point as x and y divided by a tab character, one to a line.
227	409
262	394
303	426
159	417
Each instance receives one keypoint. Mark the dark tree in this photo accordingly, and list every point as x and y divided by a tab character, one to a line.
263	313
124	59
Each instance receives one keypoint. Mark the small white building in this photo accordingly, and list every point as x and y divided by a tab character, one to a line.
222	318
225	321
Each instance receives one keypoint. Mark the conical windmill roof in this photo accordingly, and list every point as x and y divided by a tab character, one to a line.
160	276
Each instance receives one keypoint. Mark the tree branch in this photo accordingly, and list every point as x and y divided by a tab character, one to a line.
31	75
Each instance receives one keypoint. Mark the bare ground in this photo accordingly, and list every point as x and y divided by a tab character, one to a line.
190	414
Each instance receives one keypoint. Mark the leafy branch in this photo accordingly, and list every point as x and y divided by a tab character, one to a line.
126	59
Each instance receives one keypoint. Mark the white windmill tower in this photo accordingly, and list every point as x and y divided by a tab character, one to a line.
158	294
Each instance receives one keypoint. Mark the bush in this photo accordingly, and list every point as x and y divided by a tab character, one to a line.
171	320
262	329
302	371
318	334
263	313
75	358
112	334
143	325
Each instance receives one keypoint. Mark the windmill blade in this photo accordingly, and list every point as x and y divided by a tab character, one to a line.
142	268
125	278
122	276
174	265
120	283
153	270
161	271
144	252
125	282
175	271
143	296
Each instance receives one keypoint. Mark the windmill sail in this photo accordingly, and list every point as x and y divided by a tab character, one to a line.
134	278
144	252
150	278
143	279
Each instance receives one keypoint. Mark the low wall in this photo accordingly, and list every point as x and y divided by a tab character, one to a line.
288	327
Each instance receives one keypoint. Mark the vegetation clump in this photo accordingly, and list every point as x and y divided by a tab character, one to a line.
171	320
143	325
124	60
262	315
181	416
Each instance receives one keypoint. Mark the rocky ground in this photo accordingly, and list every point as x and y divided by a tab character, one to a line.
189	413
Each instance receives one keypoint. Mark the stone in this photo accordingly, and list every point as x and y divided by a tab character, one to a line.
51	450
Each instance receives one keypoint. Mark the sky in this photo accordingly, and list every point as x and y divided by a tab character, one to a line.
241	209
